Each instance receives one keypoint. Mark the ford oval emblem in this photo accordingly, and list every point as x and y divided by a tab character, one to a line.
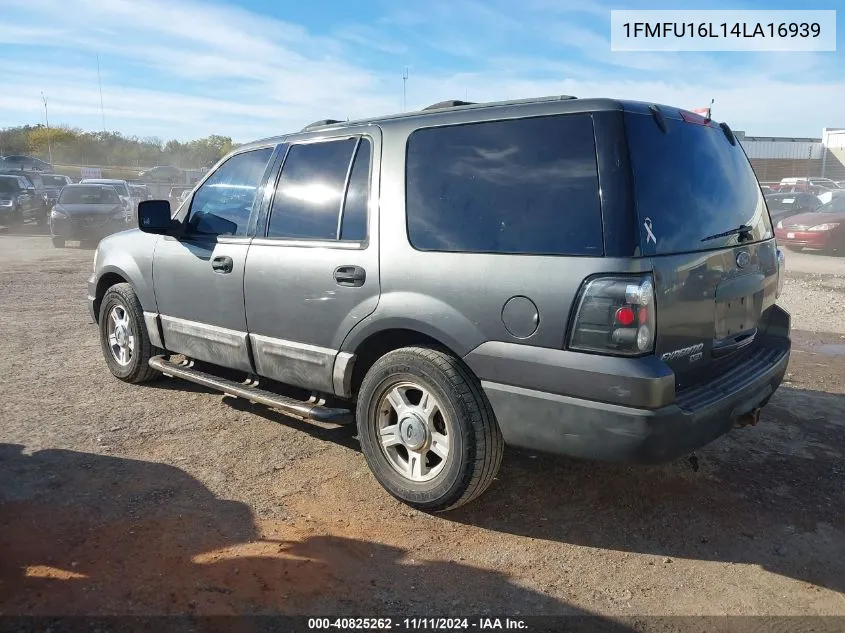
742	259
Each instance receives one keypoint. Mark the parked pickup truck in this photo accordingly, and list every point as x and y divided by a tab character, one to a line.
590	277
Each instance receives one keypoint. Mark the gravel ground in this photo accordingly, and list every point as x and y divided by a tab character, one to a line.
169	498
815	292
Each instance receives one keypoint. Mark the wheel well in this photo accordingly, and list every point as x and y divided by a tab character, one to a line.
105	282
379	344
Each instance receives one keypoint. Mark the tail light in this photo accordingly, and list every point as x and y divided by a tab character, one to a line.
781	272
616	315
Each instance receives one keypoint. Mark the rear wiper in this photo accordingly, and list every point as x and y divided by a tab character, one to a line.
741	230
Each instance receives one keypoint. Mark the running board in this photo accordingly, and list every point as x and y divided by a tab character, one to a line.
310	410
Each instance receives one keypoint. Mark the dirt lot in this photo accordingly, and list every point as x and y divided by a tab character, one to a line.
168	498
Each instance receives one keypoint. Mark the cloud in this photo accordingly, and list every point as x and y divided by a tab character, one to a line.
184	68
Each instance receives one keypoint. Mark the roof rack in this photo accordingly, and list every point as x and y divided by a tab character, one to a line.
450	103
320	123
455	103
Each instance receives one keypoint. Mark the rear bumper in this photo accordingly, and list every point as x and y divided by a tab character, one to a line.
588	429
74	230
809	239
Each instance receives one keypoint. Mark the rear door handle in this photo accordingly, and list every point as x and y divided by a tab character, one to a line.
350	276
222	264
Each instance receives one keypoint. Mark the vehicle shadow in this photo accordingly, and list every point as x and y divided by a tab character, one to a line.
87	534
771	495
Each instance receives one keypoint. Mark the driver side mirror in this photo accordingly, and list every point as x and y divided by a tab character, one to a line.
154	217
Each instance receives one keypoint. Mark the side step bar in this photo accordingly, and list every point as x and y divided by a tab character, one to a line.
303	409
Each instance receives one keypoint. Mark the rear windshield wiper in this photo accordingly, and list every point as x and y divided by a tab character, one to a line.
741	230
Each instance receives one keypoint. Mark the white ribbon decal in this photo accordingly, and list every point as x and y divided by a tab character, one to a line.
650	235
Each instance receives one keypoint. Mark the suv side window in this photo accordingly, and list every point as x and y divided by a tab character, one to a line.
520	186
310	193
353	225
223	204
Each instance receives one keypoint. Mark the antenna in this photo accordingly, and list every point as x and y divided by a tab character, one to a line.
47	119
100	83
404	87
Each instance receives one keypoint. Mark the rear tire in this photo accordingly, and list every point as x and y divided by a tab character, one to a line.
441	446
59	242
124	338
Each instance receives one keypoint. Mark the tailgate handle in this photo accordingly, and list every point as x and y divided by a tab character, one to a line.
731	345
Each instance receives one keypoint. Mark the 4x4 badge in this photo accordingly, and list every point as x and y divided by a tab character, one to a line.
742	259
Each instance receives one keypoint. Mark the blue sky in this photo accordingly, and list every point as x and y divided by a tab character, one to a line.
253	68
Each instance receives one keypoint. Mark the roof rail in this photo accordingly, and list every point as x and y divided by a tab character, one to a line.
454	103
320	123
451	103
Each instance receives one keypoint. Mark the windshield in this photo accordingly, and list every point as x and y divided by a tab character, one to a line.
690	183
89	195
8	185
54	181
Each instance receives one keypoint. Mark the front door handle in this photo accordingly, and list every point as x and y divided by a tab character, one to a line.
350	276
222	264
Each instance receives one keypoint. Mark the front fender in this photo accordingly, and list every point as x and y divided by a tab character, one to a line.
129	254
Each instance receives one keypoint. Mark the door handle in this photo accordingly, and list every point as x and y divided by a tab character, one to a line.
350	276
222	264
729	346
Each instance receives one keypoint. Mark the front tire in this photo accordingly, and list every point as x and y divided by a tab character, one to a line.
124	338
427	431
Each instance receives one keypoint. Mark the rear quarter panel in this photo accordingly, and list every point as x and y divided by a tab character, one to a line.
458	298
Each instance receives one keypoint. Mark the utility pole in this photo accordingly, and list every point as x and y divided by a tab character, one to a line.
47	119
100	83
404	87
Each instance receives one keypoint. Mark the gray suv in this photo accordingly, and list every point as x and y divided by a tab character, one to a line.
589	277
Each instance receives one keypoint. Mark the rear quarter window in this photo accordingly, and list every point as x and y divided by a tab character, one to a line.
519	186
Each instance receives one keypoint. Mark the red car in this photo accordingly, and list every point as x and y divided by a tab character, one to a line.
822	229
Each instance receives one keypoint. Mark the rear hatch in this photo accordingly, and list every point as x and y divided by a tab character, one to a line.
704	223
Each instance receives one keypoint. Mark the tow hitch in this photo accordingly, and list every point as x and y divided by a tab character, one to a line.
749	419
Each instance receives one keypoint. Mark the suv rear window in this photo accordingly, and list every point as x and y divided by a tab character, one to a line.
520	186
690	183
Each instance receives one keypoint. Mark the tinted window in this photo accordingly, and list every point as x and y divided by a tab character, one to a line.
89	195
690	184
8	185
354	223
223	204
54	181
310	190
517	186
779	204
